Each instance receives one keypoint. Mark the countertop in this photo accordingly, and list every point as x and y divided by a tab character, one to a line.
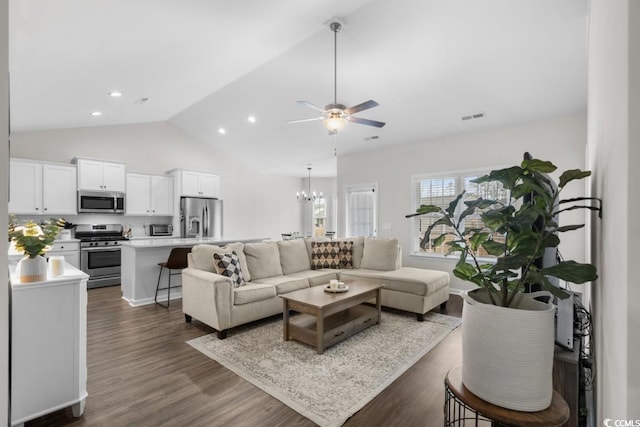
173	242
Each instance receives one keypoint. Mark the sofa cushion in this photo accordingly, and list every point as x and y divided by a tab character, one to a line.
331	255
253	292
380	254
317	277
284	284
293	256
263	260
356	249
229	265
411	280
202	257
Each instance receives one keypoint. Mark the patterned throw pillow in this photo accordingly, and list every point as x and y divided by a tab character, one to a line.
331	255
229	265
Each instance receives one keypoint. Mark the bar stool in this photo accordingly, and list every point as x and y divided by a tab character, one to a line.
177	261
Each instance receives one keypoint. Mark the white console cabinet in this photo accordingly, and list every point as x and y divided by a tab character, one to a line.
48	345
99	175
42	188
149	194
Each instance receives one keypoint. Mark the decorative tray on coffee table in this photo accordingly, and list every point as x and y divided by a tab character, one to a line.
327	288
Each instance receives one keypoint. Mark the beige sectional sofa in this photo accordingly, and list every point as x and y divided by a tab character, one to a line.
274	268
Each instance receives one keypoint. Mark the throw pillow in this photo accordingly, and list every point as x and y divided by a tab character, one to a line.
380	254
331	255
229	265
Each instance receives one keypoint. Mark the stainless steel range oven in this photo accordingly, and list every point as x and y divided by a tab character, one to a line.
100	253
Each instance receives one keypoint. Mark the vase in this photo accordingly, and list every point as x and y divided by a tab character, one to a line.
32	269
507	352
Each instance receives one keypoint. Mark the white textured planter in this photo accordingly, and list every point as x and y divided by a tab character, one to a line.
32	269
507	353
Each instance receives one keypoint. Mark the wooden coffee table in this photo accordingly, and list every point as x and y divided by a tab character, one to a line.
328	318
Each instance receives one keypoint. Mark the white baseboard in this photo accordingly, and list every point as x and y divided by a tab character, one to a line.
151	300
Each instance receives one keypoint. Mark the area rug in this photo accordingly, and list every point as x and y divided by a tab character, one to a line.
331	387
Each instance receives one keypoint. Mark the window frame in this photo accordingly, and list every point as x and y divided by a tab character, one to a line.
459	176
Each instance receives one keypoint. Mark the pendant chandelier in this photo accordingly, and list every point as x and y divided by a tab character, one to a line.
303	196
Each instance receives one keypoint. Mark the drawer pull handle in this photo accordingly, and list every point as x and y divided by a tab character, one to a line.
367	321
337	335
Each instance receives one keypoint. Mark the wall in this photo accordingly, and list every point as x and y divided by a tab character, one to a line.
4	188
613	132
561	140
255	204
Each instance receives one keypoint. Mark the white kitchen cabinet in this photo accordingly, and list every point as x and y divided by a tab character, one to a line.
161	195
70	250
198	184
42	188
149	195
98	175
48	345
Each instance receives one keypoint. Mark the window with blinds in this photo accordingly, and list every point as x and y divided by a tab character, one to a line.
441	191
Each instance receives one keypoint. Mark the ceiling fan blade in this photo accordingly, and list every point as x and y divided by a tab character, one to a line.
366	122
360	107
312	106
305	120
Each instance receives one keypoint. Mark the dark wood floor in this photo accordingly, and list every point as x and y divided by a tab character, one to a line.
142	373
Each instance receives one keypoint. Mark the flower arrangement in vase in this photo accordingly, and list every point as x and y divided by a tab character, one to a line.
33	240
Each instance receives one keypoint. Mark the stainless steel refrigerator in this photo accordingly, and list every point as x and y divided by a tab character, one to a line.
200	217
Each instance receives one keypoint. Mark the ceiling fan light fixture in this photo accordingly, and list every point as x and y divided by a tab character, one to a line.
334	124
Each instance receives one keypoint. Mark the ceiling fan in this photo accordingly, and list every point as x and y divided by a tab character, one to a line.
335	116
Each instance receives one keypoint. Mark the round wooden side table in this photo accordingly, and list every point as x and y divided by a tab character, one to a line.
461	407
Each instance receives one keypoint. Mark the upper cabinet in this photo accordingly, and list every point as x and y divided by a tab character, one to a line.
42	188
98	175
149	194
196	184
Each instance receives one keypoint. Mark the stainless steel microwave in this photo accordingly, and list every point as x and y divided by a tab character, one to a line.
100	202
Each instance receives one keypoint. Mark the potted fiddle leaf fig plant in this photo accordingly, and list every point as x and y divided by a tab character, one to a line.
507	335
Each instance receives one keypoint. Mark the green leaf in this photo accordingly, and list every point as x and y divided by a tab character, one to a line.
444	220
425	209
453	204
508	177
550	241
572	174
569	227
572	271
472	205
535	277
493	248
537	165
438	240
510	262
477	239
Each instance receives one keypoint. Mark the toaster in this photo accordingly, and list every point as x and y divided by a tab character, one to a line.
161	229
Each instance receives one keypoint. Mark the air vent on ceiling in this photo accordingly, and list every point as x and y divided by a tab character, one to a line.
473	116
369	138
142	100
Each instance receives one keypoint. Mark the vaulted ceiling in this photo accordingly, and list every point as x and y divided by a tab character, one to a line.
207	64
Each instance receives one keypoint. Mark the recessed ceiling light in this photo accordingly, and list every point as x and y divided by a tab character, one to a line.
221	131
96	113
115	94
251	119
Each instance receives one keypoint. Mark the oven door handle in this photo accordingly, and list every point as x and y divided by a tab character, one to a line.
104	248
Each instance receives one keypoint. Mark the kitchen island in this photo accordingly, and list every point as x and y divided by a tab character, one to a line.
140	258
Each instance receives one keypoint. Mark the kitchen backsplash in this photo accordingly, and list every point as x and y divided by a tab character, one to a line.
139	224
